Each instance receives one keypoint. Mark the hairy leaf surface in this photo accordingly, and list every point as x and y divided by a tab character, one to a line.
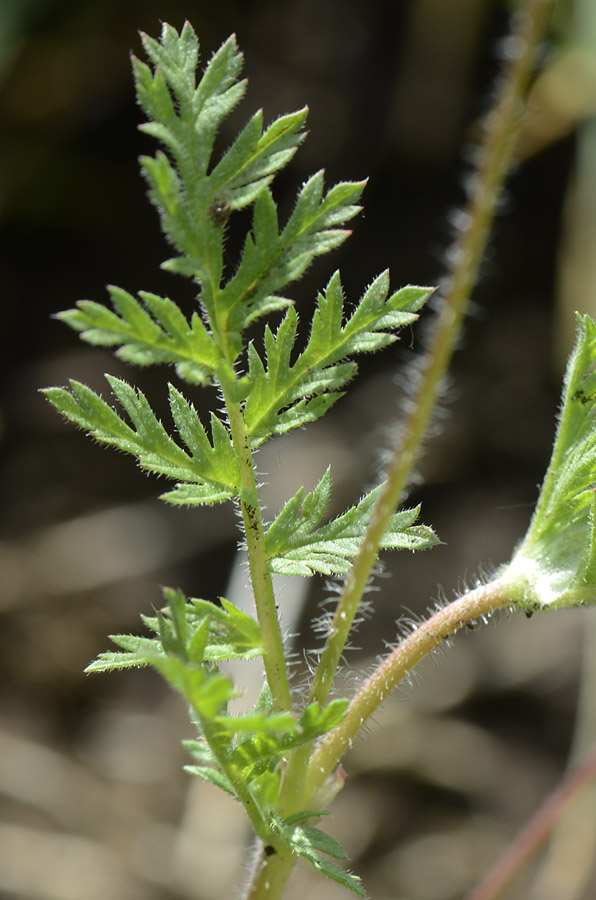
154	331
309	843
207	467
298	545
287	393
555	565
271	259
193	202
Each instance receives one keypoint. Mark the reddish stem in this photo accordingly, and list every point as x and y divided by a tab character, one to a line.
535	832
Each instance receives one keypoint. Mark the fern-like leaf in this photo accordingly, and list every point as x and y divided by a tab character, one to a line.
208	471
249	165
309	843
297	544
285	394
271	259
233	634
147	333
262	747
194	203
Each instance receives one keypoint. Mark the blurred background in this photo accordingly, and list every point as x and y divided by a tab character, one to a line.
93	799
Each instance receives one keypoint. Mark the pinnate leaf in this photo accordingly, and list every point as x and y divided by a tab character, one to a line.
286	394
297	544
309	843
192	201
271	259
170	95
193	629
148	332
255	156
262	746
210	467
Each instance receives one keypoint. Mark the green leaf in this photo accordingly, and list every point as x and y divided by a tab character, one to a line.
172	97
190	636
255	156
309	842
231	633
325	867
200	751
152	332
213	776
315	721
265	702
271	260
216	458
209	467
297	545
305	814
555	564
193	202
322	841
195	495
113	660
286	394
139	651
185	117
263	747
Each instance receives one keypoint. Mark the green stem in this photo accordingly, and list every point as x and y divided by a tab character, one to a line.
495	155
478	603
270	874
239	784
273	651
273	871
291	796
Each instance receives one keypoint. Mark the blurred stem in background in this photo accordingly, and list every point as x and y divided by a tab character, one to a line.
568	866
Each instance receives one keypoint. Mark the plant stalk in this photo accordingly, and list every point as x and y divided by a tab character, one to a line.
274	870
273	651
536	831
477	604
270	874
495	159
239	784
496	153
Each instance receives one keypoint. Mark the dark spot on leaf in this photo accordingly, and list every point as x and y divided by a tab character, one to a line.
219	212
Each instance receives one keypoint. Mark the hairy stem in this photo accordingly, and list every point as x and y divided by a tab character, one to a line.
270	874
478	603
239	784
495	158
273	651
535	832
